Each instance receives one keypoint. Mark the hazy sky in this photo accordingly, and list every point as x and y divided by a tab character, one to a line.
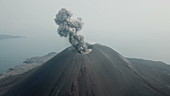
134	28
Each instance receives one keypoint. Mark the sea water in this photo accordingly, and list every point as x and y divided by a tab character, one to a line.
14	51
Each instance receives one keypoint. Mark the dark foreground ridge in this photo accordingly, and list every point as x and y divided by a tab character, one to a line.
103	72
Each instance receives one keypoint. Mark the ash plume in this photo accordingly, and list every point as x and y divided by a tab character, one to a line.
69	28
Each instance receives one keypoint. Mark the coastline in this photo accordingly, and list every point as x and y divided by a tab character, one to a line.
27	65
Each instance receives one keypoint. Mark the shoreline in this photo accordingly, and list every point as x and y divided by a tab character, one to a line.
27	65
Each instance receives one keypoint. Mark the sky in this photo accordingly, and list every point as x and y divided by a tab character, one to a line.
134	28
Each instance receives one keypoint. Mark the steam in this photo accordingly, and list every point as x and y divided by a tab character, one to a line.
69	27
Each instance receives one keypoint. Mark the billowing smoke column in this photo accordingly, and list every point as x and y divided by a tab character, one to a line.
69	27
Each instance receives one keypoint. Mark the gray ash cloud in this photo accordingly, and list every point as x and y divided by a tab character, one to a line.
69	27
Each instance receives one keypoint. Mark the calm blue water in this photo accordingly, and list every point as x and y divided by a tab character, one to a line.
14	51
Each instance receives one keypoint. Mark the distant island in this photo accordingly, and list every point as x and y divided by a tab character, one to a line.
27	65
9	37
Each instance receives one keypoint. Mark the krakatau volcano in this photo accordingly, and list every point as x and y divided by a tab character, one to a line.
102	72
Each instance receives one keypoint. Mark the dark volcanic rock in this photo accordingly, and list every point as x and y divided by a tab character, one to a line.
103	72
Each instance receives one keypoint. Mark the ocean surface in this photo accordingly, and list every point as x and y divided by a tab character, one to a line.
16	50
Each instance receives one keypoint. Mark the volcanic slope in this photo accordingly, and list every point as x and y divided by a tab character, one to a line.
103	72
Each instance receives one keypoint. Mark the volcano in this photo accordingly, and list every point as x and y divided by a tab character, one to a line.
102	72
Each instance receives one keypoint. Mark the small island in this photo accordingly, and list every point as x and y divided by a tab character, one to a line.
9	37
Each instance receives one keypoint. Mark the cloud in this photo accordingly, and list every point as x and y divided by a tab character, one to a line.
69	27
